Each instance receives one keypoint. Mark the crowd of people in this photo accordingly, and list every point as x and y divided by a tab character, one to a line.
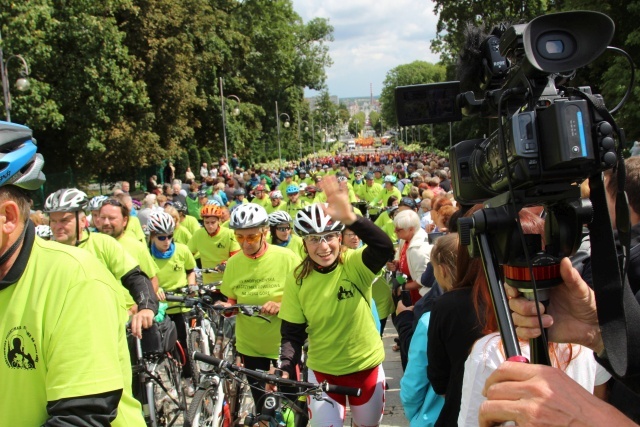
329	247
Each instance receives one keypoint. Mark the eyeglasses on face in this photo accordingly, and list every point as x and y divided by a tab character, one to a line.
350	235
163	238
283	229
316	239
250	239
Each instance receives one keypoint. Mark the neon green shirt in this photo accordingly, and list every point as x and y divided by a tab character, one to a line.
172	272
343	337
264	202
181	235
271	209
293	208
257	281
135	228
384	195
140	253
296	245
109	252
66	315
190	223
283	186
321	197
369	194
213	249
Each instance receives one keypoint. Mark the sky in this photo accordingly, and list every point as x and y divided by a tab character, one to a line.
370	39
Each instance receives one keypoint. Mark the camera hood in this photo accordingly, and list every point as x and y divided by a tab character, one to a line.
562	42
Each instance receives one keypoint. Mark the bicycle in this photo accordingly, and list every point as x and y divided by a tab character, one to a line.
156	372
276	403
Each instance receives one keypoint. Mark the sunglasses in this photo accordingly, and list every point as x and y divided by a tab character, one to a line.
316	239
283	228
163	238
250	239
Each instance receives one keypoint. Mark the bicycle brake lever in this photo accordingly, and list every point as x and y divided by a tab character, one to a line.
262	317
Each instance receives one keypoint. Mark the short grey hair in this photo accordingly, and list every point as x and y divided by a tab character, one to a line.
407	219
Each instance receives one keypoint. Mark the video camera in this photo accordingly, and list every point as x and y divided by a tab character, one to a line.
553	137
549	139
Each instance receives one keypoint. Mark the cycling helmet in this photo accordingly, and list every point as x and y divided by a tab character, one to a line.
342	178
313	220
415	175
161	223
20	165
302	171
303	186
288	175
311	190
202	193
96	202
369	175
390	179
276	194
377	170
212	202
44	231
279	217
181	207
259	187
238	192
248	216
358	172
66	200
211	210
408	202
293	189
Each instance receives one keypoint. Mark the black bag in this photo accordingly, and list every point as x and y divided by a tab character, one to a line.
160	337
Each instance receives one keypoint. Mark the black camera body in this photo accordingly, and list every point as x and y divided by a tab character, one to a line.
553	138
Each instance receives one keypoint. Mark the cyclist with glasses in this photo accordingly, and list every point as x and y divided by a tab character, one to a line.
62	315
214	243
328	297
281	235
256	277
175	270
67	221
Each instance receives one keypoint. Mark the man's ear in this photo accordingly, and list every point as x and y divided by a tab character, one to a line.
10	212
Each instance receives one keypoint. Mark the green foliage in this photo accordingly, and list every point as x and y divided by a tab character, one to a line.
194	157
117	86
205	157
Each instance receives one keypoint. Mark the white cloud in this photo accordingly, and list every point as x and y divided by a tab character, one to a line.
371	38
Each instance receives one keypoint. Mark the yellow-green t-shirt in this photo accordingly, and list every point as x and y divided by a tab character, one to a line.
293	208
213	249
264	202
271	209
257	281
190	223
181	235
343	337
140	253
109	252
296	245
172	272
321	197
384	195
66	316
369	194
135	228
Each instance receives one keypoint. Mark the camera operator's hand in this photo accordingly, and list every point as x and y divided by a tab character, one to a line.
539	395
571	316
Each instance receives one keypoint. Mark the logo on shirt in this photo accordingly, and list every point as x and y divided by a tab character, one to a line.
20	350
220	245
344	294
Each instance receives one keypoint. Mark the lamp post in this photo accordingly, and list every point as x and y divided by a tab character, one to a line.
306	129
286	124
22	83
235	112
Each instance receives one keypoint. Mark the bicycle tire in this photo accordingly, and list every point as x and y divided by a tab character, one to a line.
195	344
171	403
202	410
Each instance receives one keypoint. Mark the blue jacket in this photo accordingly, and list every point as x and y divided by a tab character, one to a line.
421	403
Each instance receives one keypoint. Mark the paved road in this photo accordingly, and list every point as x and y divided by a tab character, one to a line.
393	412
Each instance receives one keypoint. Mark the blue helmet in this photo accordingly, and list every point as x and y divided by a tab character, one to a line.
20	165
293	189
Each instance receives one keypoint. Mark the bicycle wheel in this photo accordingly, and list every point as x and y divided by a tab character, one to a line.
208	408
195	344
170	399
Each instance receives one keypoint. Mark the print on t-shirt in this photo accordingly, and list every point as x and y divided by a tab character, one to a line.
20	349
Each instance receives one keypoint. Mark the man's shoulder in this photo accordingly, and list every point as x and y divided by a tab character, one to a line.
53	256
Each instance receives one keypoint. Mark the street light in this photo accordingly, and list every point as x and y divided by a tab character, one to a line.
22	83
306	129
235	112
286	124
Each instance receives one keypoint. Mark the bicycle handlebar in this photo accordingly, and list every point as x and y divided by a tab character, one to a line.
246	309
273	379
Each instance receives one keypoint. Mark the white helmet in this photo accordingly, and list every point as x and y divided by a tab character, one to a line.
96	202
248	215
161	223
279	217
276	194
313	220
44	231
66	200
